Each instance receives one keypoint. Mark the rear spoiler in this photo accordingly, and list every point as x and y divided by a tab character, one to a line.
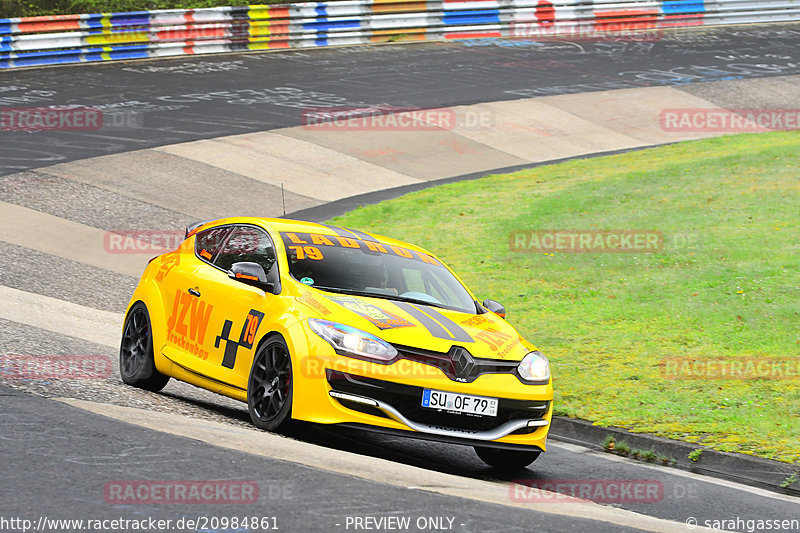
191	228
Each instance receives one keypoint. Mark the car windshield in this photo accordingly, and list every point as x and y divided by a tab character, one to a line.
368	268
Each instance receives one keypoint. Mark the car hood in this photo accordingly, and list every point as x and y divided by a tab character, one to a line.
421	326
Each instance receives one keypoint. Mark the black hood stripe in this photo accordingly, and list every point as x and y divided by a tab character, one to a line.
436	323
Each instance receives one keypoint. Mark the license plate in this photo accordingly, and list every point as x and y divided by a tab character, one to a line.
461	403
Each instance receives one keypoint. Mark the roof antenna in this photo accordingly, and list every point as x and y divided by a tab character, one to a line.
283	199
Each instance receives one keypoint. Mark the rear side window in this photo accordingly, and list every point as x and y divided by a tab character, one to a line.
249	244
208	242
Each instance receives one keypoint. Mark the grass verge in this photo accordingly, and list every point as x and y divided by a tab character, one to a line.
724	288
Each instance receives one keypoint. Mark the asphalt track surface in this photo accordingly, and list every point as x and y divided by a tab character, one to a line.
61	457
176	100
78	455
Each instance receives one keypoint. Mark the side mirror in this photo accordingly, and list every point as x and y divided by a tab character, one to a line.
251	274
495	307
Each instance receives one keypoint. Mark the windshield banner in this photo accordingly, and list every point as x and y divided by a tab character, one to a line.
312	246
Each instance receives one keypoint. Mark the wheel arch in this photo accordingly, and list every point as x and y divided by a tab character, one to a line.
266	336
283	336
148	294
289	332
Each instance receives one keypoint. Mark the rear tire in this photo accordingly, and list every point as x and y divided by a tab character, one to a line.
270	387
506	459
136	364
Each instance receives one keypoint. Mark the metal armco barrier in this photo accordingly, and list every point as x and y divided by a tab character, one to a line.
63	39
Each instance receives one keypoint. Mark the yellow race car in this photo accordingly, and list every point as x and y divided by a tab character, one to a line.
305	321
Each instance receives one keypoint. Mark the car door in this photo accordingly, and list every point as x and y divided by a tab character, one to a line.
239	309
188	313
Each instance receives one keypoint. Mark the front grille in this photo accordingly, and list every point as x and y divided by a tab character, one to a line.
407	399
458	364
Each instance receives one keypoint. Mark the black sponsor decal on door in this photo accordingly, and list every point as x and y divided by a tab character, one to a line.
246	338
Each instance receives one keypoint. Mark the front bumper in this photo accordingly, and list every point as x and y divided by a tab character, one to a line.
335	389
402	403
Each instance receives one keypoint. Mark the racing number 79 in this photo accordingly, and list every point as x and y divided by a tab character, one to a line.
311	251
251	326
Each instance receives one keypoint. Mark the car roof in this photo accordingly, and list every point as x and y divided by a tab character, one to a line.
304	226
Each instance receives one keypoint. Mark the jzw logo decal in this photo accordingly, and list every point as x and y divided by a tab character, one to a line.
197	312
495	339
246	338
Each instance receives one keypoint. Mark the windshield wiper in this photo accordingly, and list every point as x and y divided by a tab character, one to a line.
416	301
385	296
341	290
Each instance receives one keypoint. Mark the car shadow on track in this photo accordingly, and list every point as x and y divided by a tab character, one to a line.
441	457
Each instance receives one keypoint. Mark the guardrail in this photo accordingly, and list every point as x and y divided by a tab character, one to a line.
63	39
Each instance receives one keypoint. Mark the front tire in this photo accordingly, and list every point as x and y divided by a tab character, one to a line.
506	459
270	387
136	364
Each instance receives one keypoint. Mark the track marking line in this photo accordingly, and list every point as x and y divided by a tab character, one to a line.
674	471
60	316
64	238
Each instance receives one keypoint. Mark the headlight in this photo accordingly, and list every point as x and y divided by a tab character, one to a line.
347	340
534	367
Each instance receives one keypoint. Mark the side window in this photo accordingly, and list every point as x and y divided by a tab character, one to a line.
247	243
208	242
